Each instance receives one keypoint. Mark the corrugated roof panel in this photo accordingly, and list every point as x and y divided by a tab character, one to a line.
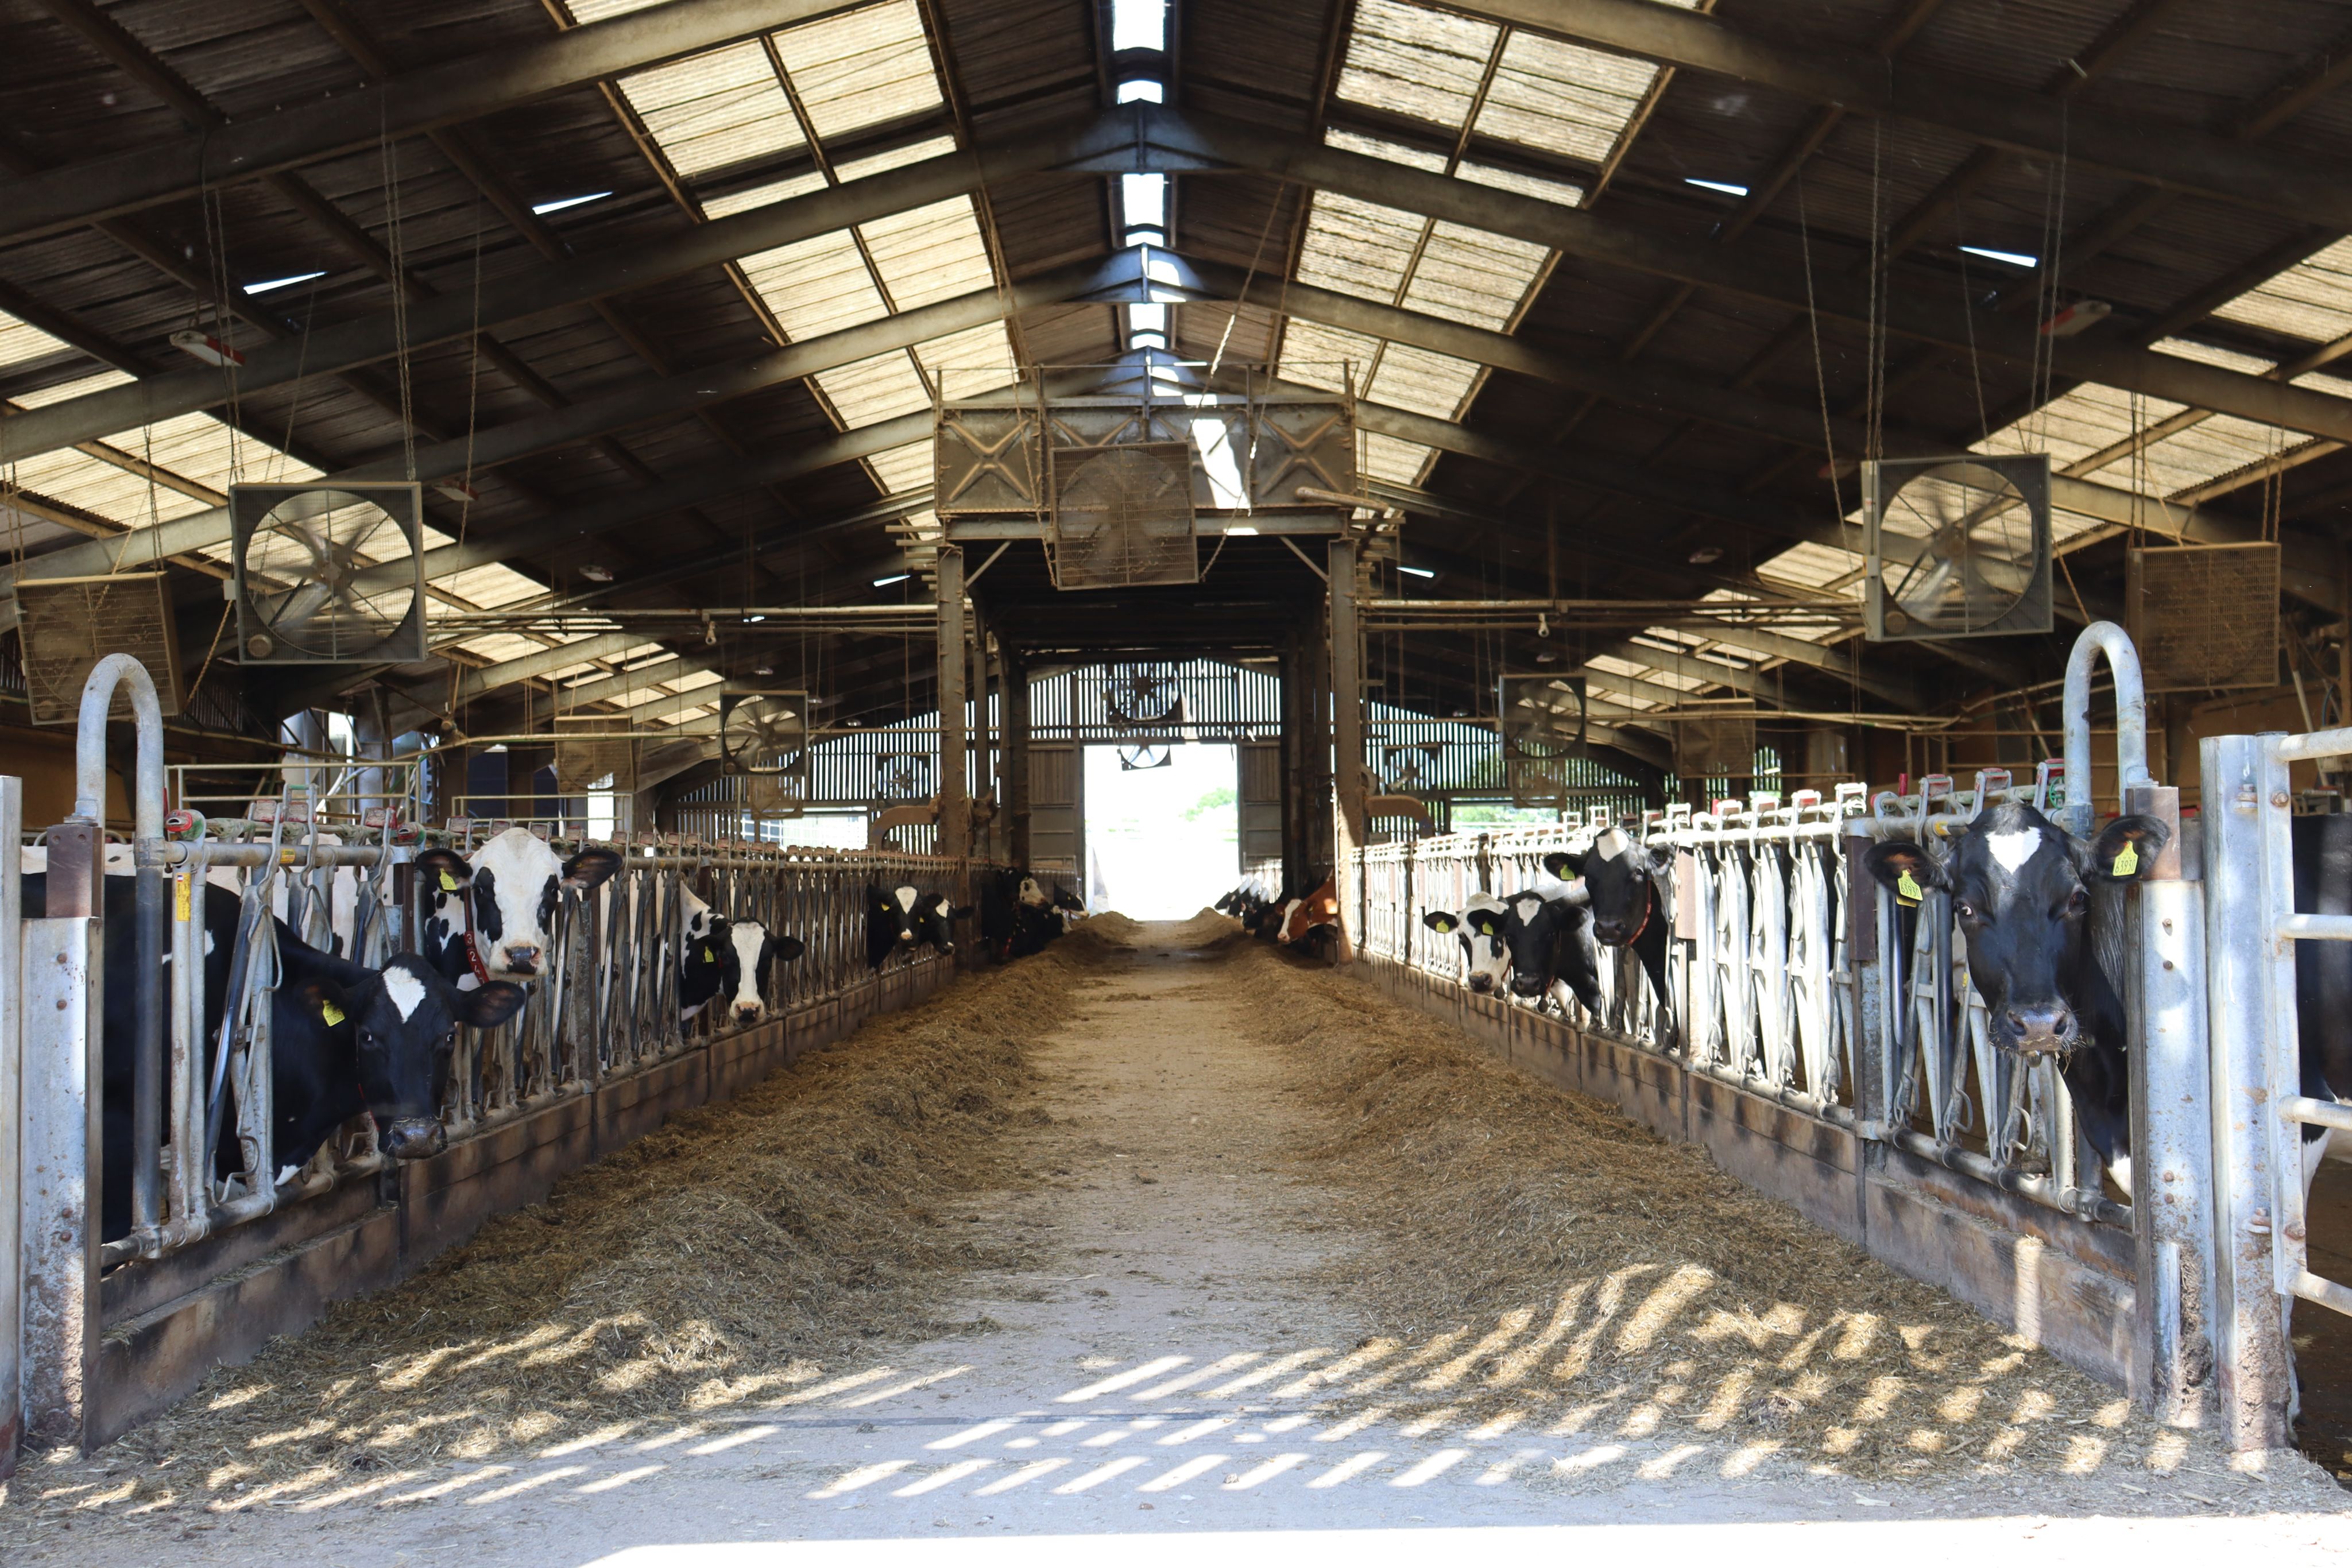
1357	247
817	286
895	158
22	343
2091	418
863	67
499	646
1381	147
1563	97
883	387
727	206
975	360
488	586
1409	60
1415	378
2311	300
1395	462
1810	566
715	110
1560	191
1469	274
1319	356
930	254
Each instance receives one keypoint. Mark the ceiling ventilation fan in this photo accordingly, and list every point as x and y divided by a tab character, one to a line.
327	574
762	732
1959	546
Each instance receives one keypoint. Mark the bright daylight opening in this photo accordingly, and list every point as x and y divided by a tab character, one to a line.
2014	258
1142	89
267	284
1143	198
1138	24
1161	842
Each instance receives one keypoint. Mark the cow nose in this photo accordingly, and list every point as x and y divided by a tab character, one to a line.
750	1014
1482	982
1609	931
522	960
1527	986
414	1138
2045	1028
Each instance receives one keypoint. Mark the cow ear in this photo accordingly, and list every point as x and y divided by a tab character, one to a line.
2126	849
444	870
1661	856
1565	864
487	1007
960	911
1440	922
590	866
1906	868
326	1001
789	948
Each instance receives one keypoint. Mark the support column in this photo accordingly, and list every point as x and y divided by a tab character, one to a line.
1347	702
1016	758
1315	756
1293	765
985	839
955	797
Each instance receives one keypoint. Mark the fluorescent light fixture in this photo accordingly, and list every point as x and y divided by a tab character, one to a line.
268	284
495	749
556	206
2011	256
1241	531
887	582
1415	570
753	619
1728	188
1142	90
1138	24
1143	199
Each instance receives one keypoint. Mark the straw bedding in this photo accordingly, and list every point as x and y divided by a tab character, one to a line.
1543	1250
735	1255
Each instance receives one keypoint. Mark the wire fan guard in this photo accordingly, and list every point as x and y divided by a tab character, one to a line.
589	751
1410	768
2204	617
1123	515
1146	755
767	795
328	574
68	625
1959	546
902	776
1543	716
763	732
1537	780
1722	746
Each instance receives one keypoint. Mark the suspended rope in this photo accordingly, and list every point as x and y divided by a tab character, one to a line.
395	244
1813	330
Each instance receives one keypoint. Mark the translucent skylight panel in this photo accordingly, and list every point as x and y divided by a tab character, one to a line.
1409	60
1357	247
970	362
496	647
715	110
2090	419
1424	382
1468	275
863	67
1319	356
2311	300
2207	450
896	158
586	11
201	448
1561	190
22	343
81	387
86	484
727	206
883	387
1382	148
817	286
929	254
1393	461
1563	97
1811	565
903	468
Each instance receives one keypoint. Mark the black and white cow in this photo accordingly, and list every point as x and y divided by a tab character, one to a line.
1626	888
493	910
2021	894
344	1038
904	917
1485	956
1017	915
1546	945
747	952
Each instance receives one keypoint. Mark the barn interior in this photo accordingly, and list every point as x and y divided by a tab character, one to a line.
823	423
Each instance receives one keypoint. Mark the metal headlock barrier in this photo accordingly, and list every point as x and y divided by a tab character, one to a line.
96	1333
1826	1044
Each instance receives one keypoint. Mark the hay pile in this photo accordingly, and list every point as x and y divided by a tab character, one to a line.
731	1257
1550	1254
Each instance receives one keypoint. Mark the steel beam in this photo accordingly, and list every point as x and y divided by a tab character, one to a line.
537	289
530	666
955	786
467	87
2169	153
1194	141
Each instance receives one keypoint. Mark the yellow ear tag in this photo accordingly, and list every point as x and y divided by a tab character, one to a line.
1906	890
449	883
2126	861
330	1012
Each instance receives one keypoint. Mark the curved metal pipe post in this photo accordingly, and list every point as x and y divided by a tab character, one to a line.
149	921
2103	637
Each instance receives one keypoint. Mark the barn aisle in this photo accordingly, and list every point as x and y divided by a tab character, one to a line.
1226	1163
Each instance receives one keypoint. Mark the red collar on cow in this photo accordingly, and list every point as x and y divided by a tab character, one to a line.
473	948
1649	907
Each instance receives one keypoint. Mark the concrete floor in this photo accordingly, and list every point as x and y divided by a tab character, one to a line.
1152	1391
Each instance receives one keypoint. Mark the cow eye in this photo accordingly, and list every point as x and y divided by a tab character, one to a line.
2077	900
1964	909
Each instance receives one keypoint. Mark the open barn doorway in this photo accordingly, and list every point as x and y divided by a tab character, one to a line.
1163	828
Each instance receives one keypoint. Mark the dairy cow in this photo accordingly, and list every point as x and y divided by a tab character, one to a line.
1542	941
1626	890
904	918
344	1038
1485	956
493	911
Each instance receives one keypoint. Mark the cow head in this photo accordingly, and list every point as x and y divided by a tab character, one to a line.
1623	880
1032	894
1301	917
1487	959
514	882
934	916
1533	925
2020	887
748	952
399	1025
